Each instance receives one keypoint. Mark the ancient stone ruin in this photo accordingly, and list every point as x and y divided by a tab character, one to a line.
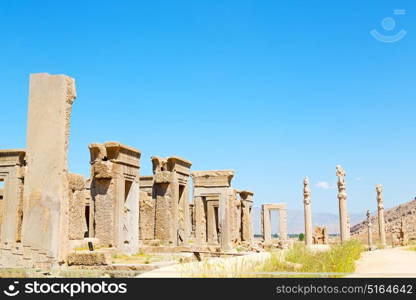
400	236
213	200
114	192
46	212
380	212
320	236
307	211
393	219
245	232
35	218
342	198
266	222
164	207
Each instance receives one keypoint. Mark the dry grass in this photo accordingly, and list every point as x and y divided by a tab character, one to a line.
340	259
138	258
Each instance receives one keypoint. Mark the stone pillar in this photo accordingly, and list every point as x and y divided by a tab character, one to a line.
213	204
380	212
147	210
191	220
236	218
45	206
348	228
212	223
247	224
225	218
342	198
307	211
283	224
200	221
77	204
115	193
266	225
171	193
370	235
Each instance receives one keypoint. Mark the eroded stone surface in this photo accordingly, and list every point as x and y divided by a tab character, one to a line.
307	211
115	194
46	189
342	199
78	225
214	199
170	194
320	236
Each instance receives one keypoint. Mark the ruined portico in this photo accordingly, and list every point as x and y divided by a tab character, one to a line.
213	197
171	197
246	217
12	168
266	221
115	193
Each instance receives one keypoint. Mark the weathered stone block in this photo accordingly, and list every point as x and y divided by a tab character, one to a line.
46	197
88	259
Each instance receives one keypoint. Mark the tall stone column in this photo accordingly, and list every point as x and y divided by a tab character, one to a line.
342	198
380	211
46	194
308	211
348	227
370	235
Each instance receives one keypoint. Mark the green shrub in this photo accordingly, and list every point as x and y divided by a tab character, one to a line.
301	237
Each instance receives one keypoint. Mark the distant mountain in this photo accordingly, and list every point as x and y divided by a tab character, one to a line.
295	221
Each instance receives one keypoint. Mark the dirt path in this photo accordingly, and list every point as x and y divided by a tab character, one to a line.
395	262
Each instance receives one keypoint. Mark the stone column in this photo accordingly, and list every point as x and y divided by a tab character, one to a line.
348	228
266	226
200	222
342	198
308	211
283	224
370	236
224	217
46	196
380	212
246	221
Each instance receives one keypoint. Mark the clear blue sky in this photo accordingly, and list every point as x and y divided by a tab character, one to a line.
276	90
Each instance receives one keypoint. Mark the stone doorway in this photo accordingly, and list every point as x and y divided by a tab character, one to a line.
266	221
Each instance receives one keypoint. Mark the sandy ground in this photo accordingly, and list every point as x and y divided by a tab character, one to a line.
395	262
